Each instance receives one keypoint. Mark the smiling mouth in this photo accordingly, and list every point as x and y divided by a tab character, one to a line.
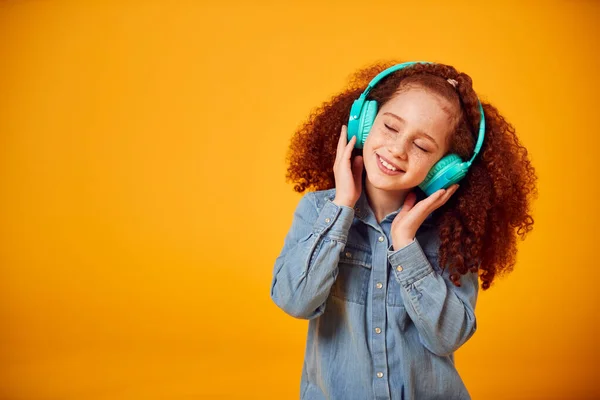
385	169
388	165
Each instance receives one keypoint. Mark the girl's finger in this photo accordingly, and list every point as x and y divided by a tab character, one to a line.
357	167
450	192
349	147
437	199
428	204
409	203
341	141
441	198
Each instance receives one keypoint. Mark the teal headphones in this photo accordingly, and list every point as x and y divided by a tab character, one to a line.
446	172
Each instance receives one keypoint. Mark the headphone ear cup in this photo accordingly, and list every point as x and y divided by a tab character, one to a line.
367	117
445	173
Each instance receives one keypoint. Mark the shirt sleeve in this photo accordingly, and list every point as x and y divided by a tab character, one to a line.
307	266
443	313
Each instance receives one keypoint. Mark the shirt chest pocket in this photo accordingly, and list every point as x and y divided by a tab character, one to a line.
354	272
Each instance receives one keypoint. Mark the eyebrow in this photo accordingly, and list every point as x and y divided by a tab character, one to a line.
419	132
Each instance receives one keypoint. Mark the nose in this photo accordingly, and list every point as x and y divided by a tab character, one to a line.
398	149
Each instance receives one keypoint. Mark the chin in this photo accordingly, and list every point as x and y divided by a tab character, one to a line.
390	183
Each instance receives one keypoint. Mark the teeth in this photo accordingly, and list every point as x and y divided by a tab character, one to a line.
388	166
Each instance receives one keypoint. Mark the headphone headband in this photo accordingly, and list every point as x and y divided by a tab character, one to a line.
397	67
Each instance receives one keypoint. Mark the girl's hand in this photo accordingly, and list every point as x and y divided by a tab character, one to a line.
348	180
411	216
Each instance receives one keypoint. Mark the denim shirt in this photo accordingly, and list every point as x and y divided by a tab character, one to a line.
383	324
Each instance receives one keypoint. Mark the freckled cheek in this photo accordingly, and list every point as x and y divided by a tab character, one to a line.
419	157
371	145
420	165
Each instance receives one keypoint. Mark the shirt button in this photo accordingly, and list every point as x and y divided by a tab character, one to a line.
327	220
378	330
379	285
380	238
380	374
399	268
348	254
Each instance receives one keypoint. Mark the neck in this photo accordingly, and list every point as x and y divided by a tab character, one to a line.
384	202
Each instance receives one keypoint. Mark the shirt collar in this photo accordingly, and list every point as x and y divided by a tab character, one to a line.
362	209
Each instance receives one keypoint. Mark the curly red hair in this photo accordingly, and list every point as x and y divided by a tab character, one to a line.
479	224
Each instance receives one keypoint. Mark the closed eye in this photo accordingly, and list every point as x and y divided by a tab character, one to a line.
393	130
422	149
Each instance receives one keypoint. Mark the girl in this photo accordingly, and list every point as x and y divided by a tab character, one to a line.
386	270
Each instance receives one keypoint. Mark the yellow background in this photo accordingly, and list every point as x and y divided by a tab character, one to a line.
144	202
